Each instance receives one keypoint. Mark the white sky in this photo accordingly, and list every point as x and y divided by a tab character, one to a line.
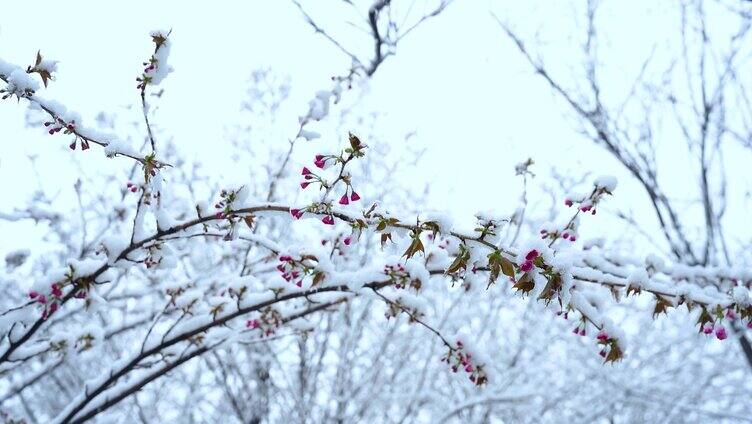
457	81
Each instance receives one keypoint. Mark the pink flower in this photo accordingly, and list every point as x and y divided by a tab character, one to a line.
749	324
42	298
318	158
344	200
531	255
585	208
469	368
568	202
305	171
730	314
583	332
347	240
572	238
565	236
320	162
720	333
328	220
33	294
134	189
304	184
252	323
53	308
354	197
526	266
707	329
56	291
602	336
296	213
285	258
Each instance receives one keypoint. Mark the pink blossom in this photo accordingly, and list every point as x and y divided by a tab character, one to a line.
568	202
526	266
296	213
720	333
707	329
33	294
328	220
602	336
531	255
304	184
354	197
344	200
305	171
347	240
252	323
730	314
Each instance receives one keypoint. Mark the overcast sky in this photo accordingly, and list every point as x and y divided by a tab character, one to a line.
457	81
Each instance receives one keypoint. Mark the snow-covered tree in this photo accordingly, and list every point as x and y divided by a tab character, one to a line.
331	291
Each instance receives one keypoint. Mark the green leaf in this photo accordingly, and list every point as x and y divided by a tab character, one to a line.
507	267
415	247
525	284
460	262
661	306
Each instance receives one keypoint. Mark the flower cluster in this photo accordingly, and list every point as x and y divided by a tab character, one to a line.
268	322
400	278
49	302
296	270
223	205
610	350
131	187
528	264
356	150
459	359
155	68
57	124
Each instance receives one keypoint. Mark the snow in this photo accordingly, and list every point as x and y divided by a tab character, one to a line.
19	83
606	182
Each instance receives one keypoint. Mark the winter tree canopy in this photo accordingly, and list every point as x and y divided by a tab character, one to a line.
314	260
